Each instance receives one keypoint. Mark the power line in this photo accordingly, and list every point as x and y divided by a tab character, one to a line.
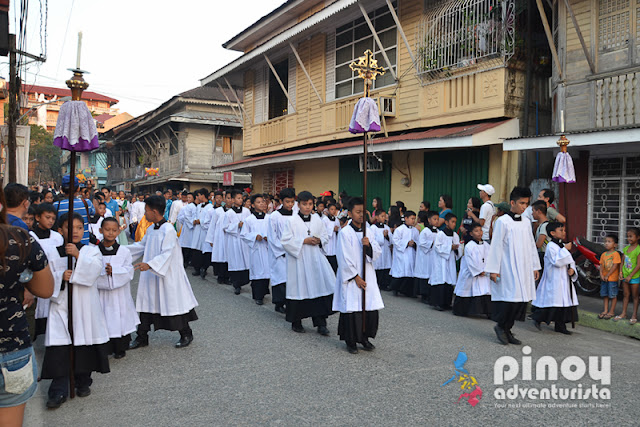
65	38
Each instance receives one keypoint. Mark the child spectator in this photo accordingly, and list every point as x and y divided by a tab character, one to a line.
609	275
443	275
631	274
556	299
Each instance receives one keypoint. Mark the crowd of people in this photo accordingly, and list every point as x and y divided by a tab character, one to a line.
315	255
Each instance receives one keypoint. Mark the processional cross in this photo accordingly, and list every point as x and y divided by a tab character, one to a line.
367	68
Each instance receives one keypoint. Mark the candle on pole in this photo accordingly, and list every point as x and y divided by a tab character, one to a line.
79	50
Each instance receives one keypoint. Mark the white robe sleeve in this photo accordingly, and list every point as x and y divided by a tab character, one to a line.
88	267
473	257
248	233
348	265
173	212
494	260
189	216
212	227
161	263
425	241
324	236
291	243
376	249
272	237
456	241
123	273
137	249
228	225
401	239
206	221
442	245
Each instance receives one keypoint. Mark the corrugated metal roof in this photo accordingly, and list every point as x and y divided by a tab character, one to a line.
578	132
209	93
214	117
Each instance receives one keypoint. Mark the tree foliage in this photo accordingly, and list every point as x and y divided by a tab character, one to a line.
46	154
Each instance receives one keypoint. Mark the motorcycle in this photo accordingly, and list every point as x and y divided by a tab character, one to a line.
587	259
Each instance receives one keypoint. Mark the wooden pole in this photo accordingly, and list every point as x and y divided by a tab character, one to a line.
364	222
72	191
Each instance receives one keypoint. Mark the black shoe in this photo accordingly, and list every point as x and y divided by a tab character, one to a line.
439	308
203	273
322	330
297	328
424	300
54	402
236	290
196	273
395	293
259	302
562	329
502	336
367	346
139	342
512	339
352	349
281	309
537	324
83	391
120	355
185	340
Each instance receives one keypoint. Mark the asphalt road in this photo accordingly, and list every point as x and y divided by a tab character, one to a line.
246	367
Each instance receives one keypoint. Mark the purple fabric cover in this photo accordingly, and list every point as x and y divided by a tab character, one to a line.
76	128
563	170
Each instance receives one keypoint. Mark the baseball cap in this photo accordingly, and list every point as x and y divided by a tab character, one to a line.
487	188
66	181
504	207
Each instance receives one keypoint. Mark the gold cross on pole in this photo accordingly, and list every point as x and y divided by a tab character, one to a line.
367	68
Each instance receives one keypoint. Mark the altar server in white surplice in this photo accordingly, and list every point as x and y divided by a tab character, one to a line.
208	228
405	240
90	334
347	298
556	299
165	299
514	266
114	288
237	250
310	278
277	254
216	237
185	219
200	260
254	234
382	234
333	226
425	254
473	288
443	274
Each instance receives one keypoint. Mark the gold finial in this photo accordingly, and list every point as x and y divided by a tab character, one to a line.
367	68
562	143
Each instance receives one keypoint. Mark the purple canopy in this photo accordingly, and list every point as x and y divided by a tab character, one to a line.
563	170
366	117
75	129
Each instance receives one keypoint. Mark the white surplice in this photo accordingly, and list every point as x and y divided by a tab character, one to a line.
137	211
513	255
404	256
253	227
383	262
163	289
185	218
470	282
199	230
444	262
176	207
207	222
309	274
49	246
89	324
115	292
217	237
424	258
330	249
555	288
347	297
277	254
237	251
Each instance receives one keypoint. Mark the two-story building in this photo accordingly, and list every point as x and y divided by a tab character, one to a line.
183	138
596	85
454	88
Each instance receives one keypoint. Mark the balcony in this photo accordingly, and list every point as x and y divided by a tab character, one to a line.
222	159
618	100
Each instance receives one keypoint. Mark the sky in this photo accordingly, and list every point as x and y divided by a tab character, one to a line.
141	52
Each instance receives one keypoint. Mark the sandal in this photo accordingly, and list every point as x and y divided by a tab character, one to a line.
615	319
608	316
633	321
602	315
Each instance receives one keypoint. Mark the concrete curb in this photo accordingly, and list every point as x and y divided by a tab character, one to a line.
622	327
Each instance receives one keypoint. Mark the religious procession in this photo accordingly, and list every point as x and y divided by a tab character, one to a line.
357	211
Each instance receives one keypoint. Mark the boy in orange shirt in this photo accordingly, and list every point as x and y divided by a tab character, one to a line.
609	275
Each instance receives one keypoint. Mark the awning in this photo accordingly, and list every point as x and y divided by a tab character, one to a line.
215	177
458	136
585	138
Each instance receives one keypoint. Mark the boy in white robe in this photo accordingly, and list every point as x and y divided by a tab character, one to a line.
90	334
96	220
165	299
175	209
277	254
254	234
310	278
200	260
333	226
350	282
50	240
115	290
556	299
473	289
404	256
208	228
425	255
443	273
216	237
185	219
237	250
513	265
382	264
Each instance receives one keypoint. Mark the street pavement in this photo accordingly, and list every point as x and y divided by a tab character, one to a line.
246	367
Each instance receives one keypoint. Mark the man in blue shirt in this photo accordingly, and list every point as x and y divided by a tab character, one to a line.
17	198
112	204
169	202
80	206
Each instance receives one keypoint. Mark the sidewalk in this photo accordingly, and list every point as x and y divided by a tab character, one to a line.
591	306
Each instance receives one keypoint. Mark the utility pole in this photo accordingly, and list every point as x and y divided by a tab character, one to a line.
14	90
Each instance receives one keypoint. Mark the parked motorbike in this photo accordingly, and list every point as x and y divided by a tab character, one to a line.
586	256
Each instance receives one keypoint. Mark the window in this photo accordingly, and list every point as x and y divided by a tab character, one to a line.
353	39
278	102
614	17
226	145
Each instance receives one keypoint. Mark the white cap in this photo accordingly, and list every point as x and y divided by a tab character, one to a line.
487	188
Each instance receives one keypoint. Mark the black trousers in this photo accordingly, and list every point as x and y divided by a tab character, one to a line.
279	294
200	260
333	261
60	385
186	254
221	270
317	321
506	313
